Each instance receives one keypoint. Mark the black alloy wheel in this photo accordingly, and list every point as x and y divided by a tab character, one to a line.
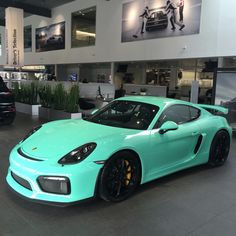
8	121
219	149
119	177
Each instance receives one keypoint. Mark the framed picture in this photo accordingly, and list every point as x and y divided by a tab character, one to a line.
50	38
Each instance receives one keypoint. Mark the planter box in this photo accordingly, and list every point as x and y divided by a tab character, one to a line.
44	113
28	109
51	114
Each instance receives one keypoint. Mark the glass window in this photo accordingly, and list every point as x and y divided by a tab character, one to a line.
179	114
126	114
83	23
28	38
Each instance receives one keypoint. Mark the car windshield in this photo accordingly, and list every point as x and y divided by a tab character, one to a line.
125	114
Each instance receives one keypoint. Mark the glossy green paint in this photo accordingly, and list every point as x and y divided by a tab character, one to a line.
159	154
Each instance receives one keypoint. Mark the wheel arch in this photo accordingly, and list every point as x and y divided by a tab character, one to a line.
222	129
211	162
134	153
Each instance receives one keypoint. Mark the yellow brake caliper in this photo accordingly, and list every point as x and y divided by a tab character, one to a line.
128	174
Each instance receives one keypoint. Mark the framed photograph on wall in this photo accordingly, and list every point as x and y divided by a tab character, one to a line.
152	19
50	37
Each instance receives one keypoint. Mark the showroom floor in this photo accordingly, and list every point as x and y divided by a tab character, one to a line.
199	201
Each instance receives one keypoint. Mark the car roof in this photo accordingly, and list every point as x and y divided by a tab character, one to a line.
158	101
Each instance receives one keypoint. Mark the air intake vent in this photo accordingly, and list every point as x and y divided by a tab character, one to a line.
26	156
21	181
199	141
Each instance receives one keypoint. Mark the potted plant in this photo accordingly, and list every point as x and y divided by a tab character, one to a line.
26	98
59	104
72	102
59	97
46	101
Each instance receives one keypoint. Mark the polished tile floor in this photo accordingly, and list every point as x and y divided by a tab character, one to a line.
199	201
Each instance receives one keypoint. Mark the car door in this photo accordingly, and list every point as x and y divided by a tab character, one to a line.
174	148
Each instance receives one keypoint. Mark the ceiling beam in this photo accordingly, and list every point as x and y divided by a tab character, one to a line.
35	10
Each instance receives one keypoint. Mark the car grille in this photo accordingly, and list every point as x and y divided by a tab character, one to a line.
21	181
26	156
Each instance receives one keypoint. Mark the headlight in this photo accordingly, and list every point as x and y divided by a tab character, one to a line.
31	132
78	154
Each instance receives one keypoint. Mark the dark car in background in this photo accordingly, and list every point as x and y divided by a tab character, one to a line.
7	107
55	39
157	20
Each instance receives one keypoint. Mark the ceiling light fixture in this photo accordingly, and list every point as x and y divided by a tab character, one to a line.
85	33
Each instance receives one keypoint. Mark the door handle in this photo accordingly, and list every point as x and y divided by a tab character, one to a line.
195	133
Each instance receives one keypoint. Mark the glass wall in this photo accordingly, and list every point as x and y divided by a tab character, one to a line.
176	75
28	38
83	23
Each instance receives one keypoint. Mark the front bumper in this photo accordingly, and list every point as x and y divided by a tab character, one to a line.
82	177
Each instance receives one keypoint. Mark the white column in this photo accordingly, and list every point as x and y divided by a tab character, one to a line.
194	91
112	74
173	78
14	35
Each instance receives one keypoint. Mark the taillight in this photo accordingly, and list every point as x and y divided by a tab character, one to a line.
13	109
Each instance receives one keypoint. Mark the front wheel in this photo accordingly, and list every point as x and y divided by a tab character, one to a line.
119	177
219	149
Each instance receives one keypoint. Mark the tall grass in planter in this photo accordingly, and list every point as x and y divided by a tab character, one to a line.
33	94
16	91
59	98
72	101
46	96
28	93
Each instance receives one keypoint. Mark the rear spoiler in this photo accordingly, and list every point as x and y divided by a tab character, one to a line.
214	109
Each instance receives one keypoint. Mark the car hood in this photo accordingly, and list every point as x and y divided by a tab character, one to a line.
56	139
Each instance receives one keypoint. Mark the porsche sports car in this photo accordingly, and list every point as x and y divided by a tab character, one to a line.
157	20
7	108
130	141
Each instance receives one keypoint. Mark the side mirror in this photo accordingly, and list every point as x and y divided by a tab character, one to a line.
94	111
168	126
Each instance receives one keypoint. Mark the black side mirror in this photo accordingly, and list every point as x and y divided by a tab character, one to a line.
168	126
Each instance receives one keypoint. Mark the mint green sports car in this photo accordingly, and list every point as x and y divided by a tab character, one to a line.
130	141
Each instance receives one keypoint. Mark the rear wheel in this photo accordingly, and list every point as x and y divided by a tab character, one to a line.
219	149
120	177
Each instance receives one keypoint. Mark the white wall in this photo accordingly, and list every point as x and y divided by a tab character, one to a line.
2	35
216	38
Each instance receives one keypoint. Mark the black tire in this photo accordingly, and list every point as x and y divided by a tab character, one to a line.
119	177
219	149
8	121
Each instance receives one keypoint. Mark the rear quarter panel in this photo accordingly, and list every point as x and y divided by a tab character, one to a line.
209	125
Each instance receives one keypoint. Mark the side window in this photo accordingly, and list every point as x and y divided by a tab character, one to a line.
195	113
179	114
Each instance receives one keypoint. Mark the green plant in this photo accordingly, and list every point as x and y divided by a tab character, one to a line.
16	91
46	96
59	98
27	93
33	94
72	100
